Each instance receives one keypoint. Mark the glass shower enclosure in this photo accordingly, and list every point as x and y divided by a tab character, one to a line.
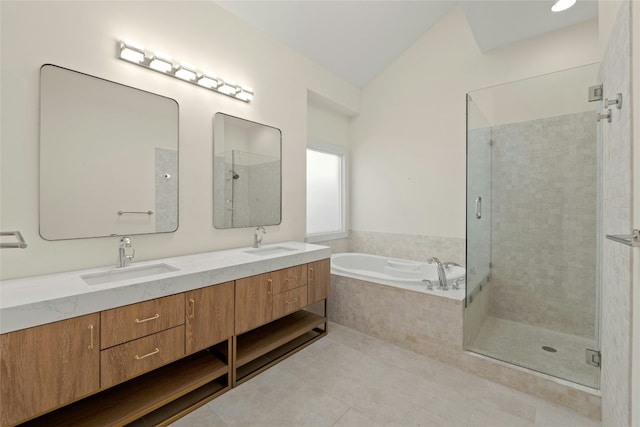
533	188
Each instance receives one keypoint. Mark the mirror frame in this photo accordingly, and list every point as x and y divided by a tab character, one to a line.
40	154
214	171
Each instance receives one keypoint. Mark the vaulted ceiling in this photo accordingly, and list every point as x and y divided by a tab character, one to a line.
359	39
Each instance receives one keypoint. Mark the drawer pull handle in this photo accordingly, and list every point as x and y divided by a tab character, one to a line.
291	301
150	318
311	274
91	334
291	278
270	284
156	351
192	303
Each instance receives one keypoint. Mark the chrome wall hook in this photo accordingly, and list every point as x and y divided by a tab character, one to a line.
617	102
606	115
19	244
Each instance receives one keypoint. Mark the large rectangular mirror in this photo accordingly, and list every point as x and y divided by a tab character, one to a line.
108	158
246	173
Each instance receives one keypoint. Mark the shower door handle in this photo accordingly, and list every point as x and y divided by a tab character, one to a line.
479	207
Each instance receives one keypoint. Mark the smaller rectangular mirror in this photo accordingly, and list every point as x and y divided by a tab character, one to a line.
246	173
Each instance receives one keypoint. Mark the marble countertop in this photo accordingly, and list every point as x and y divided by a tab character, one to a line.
37	300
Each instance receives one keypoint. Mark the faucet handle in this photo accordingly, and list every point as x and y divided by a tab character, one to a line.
428	283
130	257
456	283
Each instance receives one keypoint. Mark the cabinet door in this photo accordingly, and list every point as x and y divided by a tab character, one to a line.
319	280
47	366
209	313
254	302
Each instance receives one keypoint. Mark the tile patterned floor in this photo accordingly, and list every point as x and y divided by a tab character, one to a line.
348	379
522	344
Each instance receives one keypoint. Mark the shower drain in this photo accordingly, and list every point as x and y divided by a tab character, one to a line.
549	349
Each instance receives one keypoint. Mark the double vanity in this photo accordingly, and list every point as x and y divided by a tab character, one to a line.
147	343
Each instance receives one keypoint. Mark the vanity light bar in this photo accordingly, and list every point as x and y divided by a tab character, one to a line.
136	54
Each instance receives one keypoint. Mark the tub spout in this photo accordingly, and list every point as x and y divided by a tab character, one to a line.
442	277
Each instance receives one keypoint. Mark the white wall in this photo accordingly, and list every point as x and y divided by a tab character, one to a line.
408	143
82	36
326	125
550	95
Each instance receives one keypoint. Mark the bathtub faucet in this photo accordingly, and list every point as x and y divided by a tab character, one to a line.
442	277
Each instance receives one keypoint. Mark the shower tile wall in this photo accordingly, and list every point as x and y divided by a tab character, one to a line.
256	184
264	187
166	189
220	214
543	248
616	213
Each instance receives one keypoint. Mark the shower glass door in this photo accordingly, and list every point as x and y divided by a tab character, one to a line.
532	219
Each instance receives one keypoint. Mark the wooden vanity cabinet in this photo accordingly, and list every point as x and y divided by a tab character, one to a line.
151	362
269	296
271	324
209	316
47	366
319	274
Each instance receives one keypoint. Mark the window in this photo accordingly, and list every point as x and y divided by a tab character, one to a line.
326	193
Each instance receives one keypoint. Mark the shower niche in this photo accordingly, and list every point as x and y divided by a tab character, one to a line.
533	189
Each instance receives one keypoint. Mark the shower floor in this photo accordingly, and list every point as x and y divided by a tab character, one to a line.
521	344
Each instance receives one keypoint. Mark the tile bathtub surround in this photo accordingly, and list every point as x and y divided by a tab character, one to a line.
475	315
432	326
403	317
404	246
543	242
350	379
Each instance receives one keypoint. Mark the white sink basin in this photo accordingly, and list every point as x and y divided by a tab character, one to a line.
269	250
117	274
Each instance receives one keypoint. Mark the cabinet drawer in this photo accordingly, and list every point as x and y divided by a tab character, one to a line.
133	321
289	278
128	360
290	301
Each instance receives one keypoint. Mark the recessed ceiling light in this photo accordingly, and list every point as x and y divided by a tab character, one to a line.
562	5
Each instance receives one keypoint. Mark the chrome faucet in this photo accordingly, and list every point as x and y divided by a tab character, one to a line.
442	277
123	258
257	241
